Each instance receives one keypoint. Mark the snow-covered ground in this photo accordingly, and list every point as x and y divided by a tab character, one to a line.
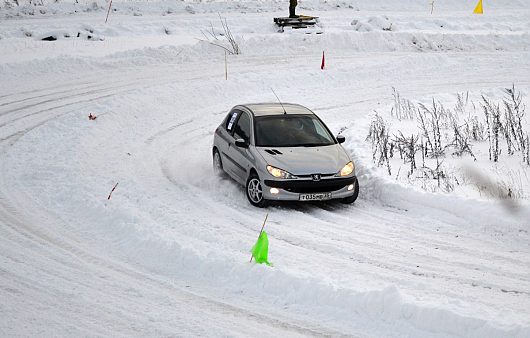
168	254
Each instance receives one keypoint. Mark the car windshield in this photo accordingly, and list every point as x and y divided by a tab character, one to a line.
291	131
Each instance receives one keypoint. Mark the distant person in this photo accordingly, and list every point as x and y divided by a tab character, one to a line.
292	6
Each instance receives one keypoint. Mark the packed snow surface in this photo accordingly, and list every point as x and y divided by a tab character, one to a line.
168	254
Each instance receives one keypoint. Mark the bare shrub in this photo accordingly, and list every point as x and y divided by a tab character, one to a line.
424	127
443	132
472	128
378	136
403	108
408	147
460	142
493	124
444	181
461	103
514	115
227	40
430	120
475	129
514	133
526	151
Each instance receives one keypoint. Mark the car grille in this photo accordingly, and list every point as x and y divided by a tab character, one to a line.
307	186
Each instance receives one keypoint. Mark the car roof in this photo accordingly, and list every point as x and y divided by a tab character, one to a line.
275	108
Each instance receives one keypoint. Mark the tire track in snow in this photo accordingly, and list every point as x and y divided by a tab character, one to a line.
46	245
431	87
418	236
57	247
307	212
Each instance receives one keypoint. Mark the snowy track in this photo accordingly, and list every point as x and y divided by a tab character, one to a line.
56	256
167	255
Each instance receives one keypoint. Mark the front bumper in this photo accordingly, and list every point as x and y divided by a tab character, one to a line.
290	190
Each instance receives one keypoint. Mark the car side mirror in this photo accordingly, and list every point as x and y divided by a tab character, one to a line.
241	143
341	139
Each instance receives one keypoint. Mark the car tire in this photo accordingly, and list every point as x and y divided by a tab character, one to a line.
217	163
254	191
352	198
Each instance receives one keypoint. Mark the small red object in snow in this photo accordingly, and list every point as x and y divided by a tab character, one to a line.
92	117
323	61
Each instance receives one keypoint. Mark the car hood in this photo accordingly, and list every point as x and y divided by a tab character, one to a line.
306	160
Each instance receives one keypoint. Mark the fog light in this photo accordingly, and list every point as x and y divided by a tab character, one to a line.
275	191
350	187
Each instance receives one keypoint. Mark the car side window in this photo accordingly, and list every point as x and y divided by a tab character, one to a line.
242	128
232	117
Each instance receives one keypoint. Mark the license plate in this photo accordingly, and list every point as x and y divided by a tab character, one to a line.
315	197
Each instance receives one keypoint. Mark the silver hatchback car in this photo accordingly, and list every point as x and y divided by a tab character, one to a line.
283	152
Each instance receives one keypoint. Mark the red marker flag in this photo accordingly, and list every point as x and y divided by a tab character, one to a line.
323	61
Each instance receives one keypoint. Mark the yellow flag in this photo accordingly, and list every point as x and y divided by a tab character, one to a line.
478	9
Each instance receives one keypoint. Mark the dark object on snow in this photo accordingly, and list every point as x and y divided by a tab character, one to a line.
49	38
300	21
110	195
292	7
92	117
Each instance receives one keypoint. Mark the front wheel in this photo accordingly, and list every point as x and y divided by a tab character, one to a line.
254	191
352	198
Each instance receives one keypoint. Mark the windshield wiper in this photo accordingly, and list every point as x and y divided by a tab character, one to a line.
296	145
314	144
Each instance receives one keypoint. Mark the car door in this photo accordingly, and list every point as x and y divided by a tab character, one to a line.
227	141
240	157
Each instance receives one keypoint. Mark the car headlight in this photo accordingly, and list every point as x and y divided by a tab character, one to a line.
279	173
347	169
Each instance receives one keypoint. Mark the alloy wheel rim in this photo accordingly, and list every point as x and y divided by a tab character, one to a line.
255	193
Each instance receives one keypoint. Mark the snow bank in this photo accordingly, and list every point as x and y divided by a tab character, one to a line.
377	312
138	7
157	41
465	205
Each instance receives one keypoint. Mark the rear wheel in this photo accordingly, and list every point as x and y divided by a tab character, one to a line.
254	191
217	163
352	198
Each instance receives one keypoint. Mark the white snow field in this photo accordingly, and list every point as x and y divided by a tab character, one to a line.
168	254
